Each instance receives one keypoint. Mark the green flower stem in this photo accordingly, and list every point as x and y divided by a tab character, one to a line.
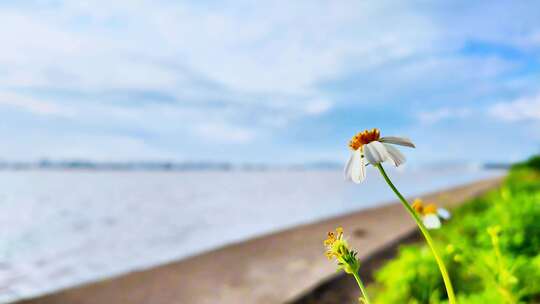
362	287
427	236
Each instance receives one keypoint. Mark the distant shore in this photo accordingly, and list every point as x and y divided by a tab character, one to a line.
192	166
275	268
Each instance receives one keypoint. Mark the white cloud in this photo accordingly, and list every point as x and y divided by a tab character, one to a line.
254	49
530	40
430	117
318	107
521	109
246	49
224	133
33	105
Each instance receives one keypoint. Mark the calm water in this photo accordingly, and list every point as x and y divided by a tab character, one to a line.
59	228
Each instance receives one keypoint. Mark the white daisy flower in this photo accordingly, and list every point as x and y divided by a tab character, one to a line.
431	215
371	147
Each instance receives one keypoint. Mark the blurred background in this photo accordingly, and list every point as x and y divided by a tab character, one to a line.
134	133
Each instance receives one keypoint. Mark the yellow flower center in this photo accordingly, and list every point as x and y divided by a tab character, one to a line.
334	242
330	240
418	205
430	209
363	138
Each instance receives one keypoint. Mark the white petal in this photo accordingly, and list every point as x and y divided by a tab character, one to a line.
402	141
431	221
443	213
376	152
355	170
347	169
395	155
361	169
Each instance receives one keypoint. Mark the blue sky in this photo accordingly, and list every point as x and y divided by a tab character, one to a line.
264	81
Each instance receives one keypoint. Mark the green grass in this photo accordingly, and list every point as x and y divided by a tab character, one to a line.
498	267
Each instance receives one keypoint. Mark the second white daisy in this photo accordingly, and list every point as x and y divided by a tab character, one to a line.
431	214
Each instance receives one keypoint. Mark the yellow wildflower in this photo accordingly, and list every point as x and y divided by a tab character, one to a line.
338	248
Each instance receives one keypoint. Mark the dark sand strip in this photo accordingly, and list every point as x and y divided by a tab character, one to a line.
275	268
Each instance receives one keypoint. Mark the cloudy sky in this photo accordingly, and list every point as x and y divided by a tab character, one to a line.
264	81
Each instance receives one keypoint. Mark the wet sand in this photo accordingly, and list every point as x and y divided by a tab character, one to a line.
275	268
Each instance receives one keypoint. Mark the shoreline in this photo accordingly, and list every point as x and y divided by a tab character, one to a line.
274	268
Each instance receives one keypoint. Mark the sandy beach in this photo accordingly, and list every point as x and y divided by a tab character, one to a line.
275	268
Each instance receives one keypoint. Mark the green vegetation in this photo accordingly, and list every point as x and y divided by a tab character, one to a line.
491	248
